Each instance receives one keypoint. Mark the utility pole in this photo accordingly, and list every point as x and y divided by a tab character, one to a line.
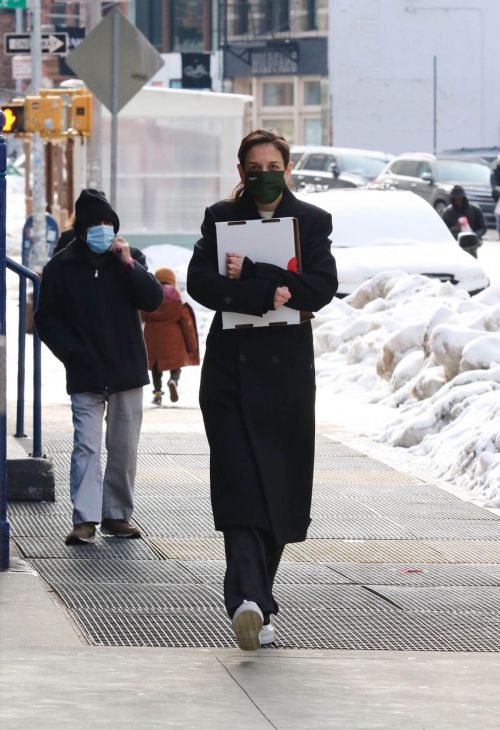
93	15
434	104
39	250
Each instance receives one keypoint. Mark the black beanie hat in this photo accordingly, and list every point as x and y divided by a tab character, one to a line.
457	191
91	209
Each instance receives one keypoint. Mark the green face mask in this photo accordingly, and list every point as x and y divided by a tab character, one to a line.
265	186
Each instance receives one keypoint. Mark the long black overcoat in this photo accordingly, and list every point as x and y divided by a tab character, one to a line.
258	388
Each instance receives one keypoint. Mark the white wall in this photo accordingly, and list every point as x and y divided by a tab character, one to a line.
381	73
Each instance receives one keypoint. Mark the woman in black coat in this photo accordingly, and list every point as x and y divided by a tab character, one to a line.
258	386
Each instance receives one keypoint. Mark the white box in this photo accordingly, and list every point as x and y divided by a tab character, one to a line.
269	241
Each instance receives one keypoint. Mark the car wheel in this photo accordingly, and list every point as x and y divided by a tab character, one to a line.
439	207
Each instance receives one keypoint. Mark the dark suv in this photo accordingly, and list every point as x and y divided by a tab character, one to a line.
433	176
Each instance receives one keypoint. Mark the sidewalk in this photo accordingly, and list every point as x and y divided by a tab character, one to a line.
390	612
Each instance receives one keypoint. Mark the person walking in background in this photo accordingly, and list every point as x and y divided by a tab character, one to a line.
258	388
171	337
88	316
460	208
495	191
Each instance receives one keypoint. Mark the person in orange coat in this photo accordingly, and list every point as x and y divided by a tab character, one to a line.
171	337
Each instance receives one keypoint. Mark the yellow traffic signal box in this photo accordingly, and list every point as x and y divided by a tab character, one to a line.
81	114
44	114
14	116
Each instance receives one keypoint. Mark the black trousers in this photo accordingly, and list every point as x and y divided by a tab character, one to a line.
252	559
174	375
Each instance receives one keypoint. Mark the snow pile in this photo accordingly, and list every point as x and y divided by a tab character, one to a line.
431	351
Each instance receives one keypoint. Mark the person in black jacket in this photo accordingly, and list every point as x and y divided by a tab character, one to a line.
88	316
258	386
459	208
495	191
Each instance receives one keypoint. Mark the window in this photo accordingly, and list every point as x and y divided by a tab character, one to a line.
423	167
312	131
186	23
241	8
276	15
279	93
149	21
312	93
311	17
320	162
284	126
408	168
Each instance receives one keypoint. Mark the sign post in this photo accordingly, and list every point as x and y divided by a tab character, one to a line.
39	253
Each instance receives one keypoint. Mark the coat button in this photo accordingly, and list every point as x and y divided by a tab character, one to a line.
243	358
227	300
275	359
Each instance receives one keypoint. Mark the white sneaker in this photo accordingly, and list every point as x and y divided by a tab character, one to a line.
267	634
247	625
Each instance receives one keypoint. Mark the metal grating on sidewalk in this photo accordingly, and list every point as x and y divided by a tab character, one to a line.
391	562
103	549
89	571
417	574
362	551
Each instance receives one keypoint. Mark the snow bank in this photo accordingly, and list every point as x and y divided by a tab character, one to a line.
431	354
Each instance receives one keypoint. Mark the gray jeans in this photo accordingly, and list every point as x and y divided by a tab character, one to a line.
93	497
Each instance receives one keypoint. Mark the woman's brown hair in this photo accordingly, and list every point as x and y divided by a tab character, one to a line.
260	136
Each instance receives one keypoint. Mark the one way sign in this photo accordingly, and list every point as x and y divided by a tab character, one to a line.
54	44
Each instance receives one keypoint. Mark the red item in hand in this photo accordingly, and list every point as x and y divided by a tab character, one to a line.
293	264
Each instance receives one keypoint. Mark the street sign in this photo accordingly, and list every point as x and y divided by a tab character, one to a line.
53	44
21	67
92	61
13	4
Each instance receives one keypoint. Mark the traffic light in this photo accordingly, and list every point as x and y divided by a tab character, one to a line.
81	114
14	117
44	115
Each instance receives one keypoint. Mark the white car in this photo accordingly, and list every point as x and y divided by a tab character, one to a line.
375	230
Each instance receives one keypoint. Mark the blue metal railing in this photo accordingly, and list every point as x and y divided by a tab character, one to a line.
4	523
25	273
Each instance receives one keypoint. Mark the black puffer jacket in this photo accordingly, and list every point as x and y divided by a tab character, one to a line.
471	211
88	316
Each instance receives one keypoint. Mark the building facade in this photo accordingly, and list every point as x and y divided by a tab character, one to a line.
390	59
274	51
277	52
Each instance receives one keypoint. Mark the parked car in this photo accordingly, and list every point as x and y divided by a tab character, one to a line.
335	167
488	154
375	231
433	176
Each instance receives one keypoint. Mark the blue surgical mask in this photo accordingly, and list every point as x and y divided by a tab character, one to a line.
100	238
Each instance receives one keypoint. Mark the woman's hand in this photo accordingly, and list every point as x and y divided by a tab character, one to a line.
281	296
234	264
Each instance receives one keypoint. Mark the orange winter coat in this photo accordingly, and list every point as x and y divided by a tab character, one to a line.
170	333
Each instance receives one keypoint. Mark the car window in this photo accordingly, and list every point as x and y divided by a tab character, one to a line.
295	157
368	167
461	171
408	168
423	167
318	162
